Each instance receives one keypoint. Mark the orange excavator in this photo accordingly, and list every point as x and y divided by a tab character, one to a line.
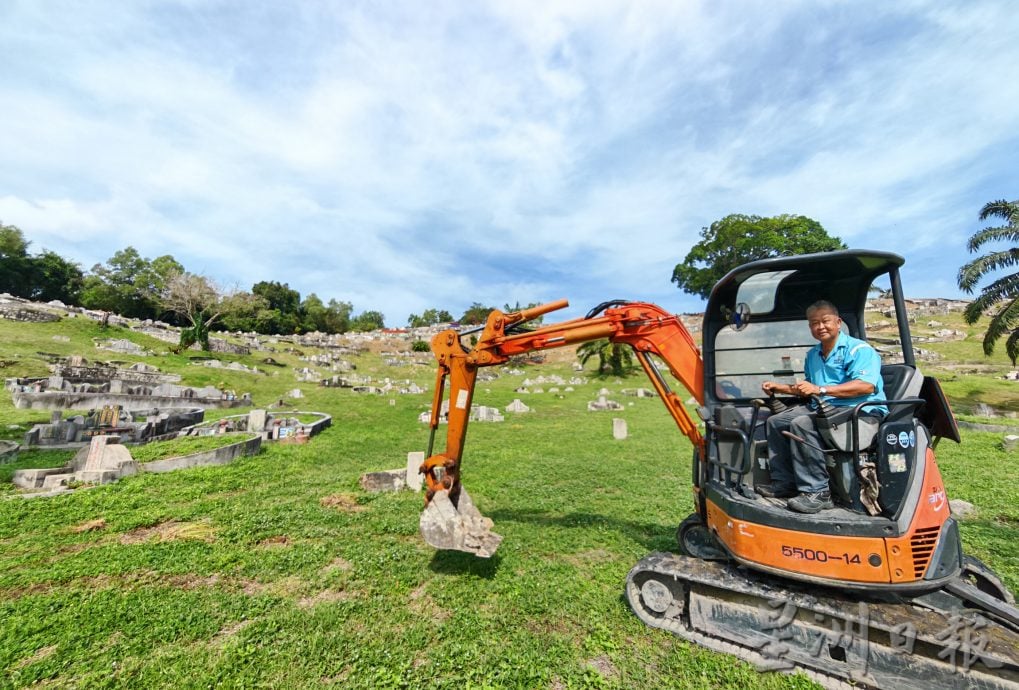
874	593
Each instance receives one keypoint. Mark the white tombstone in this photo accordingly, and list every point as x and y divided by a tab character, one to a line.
414	478
256	420
517	406
618	429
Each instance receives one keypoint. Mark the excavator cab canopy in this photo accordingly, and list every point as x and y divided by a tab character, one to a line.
755	324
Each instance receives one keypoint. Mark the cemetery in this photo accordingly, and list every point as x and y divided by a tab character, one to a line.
288	494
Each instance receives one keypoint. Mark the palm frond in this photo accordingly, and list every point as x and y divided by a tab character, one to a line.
1004	288
1012	346
971	273
1005	321
1008	210
1008	233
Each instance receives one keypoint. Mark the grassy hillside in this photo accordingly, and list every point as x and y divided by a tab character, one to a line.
278	571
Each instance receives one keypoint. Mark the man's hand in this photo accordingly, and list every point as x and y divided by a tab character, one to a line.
805	389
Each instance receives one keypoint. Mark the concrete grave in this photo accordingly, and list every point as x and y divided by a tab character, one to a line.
603	404
619	429
387	480
517	406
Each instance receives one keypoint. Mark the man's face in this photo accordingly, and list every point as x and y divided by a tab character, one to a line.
824	324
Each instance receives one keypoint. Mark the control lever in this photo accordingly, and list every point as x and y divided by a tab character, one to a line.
800	439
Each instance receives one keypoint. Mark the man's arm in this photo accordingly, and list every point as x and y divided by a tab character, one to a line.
804	389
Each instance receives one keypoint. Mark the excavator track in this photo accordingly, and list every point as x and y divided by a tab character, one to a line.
838	639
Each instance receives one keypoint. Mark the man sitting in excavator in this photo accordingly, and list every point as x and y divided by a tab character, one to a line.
840	369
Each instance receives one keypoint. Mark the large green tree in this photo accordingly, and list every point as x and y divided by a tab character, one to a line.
284	315
737	239
54	277
129	284
368	321
1002	294
15	263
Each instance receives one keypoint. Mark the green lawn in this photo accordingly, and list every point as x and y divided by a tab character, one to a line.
278	571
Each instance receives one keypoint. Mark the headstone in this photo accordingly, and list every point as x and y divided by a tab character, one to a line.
55	417
256	420
618	429
983	410
93	462
414	477
1010	443
517	406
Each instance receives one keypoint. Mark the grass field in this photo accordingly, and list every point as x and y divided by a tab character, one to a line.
278	571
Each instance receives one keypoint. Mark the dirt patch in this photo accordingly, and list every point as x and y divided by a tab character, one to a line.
542	627
604	666
171	530
421	604
586	558
35	657
90	526
338	565
274	542
326	596
228	631
345	502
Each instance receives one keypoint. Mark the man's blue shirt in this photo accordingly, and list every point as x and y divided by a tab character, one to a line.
851	359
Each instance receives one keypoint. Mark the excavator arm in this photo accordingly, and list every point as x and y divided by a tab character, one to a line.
450	520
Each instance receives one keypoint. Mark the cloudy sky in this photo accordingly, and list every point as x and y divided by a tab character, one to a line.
407	155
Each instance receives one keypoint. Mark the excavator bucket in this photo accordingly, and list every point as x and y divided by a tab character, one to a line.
458	527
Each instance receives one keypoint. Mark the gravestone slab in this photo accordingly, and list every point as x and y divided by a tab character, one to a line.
415	480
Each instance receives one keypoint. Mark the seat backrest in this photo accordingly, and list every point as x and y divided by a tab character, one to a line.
900	381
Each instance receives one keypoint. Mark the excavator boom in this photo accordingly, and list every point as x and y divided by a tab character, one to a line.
450	520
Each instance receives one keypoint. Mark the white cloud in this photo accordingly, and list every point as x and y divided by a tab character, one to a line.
403	157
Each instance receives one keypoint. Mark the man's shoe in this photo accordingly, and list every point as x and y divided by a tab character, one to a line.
811	503
776	490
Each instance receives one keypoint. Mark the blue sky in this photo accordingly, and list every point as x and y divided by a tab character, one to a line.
404	155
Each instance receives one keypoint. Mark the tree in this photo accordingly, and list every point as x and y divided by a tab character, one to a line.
129	284
737	239
313	314
14	261
54	277
196	301
240	311
338	316
286	304
476	314
429	317
368	321
613	358
1001	294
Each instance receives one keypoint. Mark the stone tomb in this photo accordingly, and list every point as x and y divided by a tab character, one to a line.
103	461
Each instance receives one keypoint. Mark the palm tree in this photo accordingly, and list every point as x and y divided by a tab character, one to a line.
1005	290
617	358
